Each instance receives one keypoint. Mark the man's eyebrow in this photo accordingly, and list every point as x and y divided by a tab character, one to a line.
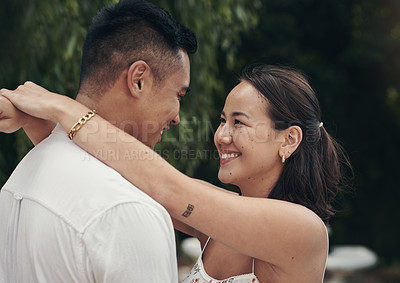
234	114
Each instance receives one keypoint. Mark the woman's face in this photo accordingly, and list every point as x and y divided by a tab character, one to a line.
246	140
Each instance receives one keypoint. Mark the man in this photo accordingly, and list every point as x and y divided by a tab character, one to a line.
69	218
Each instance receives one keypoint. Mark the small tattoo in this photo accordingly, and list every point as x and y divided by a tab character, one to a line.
188	211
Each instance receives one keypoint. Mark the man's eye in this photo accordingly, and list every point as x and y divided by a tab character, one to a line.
222	120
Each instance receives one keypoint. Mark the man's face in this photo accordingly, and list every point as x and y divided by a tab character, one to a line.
162	106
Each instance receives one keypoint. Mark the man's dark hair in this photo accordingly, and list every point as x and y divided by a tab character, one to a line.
128	31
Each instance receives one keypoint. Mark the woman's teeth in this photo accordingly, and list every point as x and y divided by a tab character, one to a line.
229	155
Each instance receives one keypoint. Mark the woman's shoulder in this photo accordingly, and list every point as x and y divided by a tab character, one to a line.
301	242
311	241
299	232
309	224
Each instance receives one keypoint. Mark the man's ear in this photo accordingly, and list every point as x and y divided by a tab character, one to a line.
139	78
293	138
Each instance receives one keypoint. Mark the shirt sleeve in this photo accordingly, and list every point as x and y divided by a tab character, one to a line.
131	242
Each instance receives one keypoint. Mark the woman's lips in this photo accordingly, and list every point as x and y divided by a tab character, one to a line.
227	157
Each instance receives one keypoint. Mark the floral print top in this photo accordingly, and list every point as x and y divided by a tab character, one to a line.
199	275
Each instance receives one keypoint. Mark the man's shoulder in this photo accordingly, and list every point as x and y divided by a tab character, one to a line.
69	182
58	158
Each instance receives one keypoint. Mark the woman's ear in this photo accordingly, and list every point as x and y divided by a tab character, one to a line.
293	138
139	78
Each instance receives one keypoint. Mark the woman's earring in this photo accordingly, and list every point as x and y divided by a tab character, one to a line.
283	159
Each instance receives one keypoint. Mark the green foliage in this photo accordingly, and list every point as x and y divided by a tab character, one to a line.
349	49
44	40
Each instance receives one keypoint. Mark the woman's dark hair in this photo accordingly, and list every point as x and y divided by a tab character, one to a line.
312	176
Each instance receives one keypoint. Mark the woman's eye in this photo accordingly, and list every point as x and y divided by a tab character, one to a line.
237	122
222	120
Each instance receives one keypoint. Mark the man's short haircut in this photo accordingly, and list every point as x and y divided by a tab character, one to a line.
128	31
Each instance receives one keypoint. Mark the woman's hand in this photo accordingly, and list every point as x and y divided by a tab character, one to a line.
35	109
11	119
36	101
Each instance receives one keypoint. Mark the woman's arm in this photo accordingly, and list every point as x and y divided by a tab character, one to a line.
38	129
274	231
12	119
270	230
179	225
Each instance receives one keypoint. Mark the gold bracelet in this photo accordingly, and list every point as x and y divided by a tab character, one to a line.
82	121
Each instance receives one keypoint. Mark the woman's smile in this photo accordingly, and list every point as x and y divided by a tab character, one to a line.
228	156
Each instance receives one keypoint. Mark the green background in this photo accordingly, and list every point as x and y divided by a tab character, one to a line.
349	50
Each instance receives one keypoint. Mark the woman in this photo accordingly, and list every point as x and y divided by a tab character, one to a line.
272	145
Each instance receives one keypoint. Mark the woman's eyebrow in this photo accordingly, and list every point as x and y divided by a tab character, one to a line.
234	114
237	113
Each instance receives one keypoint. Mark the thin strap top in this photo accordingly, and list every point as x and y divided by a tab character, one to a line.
199	274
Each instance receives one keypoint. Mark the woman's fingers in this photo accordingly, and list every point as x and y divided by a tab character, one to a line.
11	119
32	99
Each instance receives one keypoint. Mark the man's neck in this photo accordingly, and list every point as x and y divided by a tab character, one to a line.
87	101
102	107
95	104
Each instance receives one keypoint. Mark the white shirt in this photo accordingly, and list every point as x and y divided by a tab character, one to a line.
67	217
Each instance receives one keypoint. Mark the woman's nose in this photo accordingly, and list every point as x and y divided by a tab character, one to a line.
224	134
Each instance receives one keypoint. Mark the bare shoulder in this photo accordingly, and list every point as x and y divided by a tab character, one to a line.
288	236
311	230
308	251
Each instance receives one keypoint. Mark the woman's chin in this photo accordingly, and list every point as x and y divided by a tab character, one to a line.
226	178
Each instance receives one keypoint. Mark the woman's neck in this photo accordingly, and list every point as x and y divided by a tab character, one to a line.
260	186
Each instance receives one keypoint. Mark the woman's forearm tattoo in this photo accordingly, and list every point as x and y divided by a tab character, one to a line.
188	211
